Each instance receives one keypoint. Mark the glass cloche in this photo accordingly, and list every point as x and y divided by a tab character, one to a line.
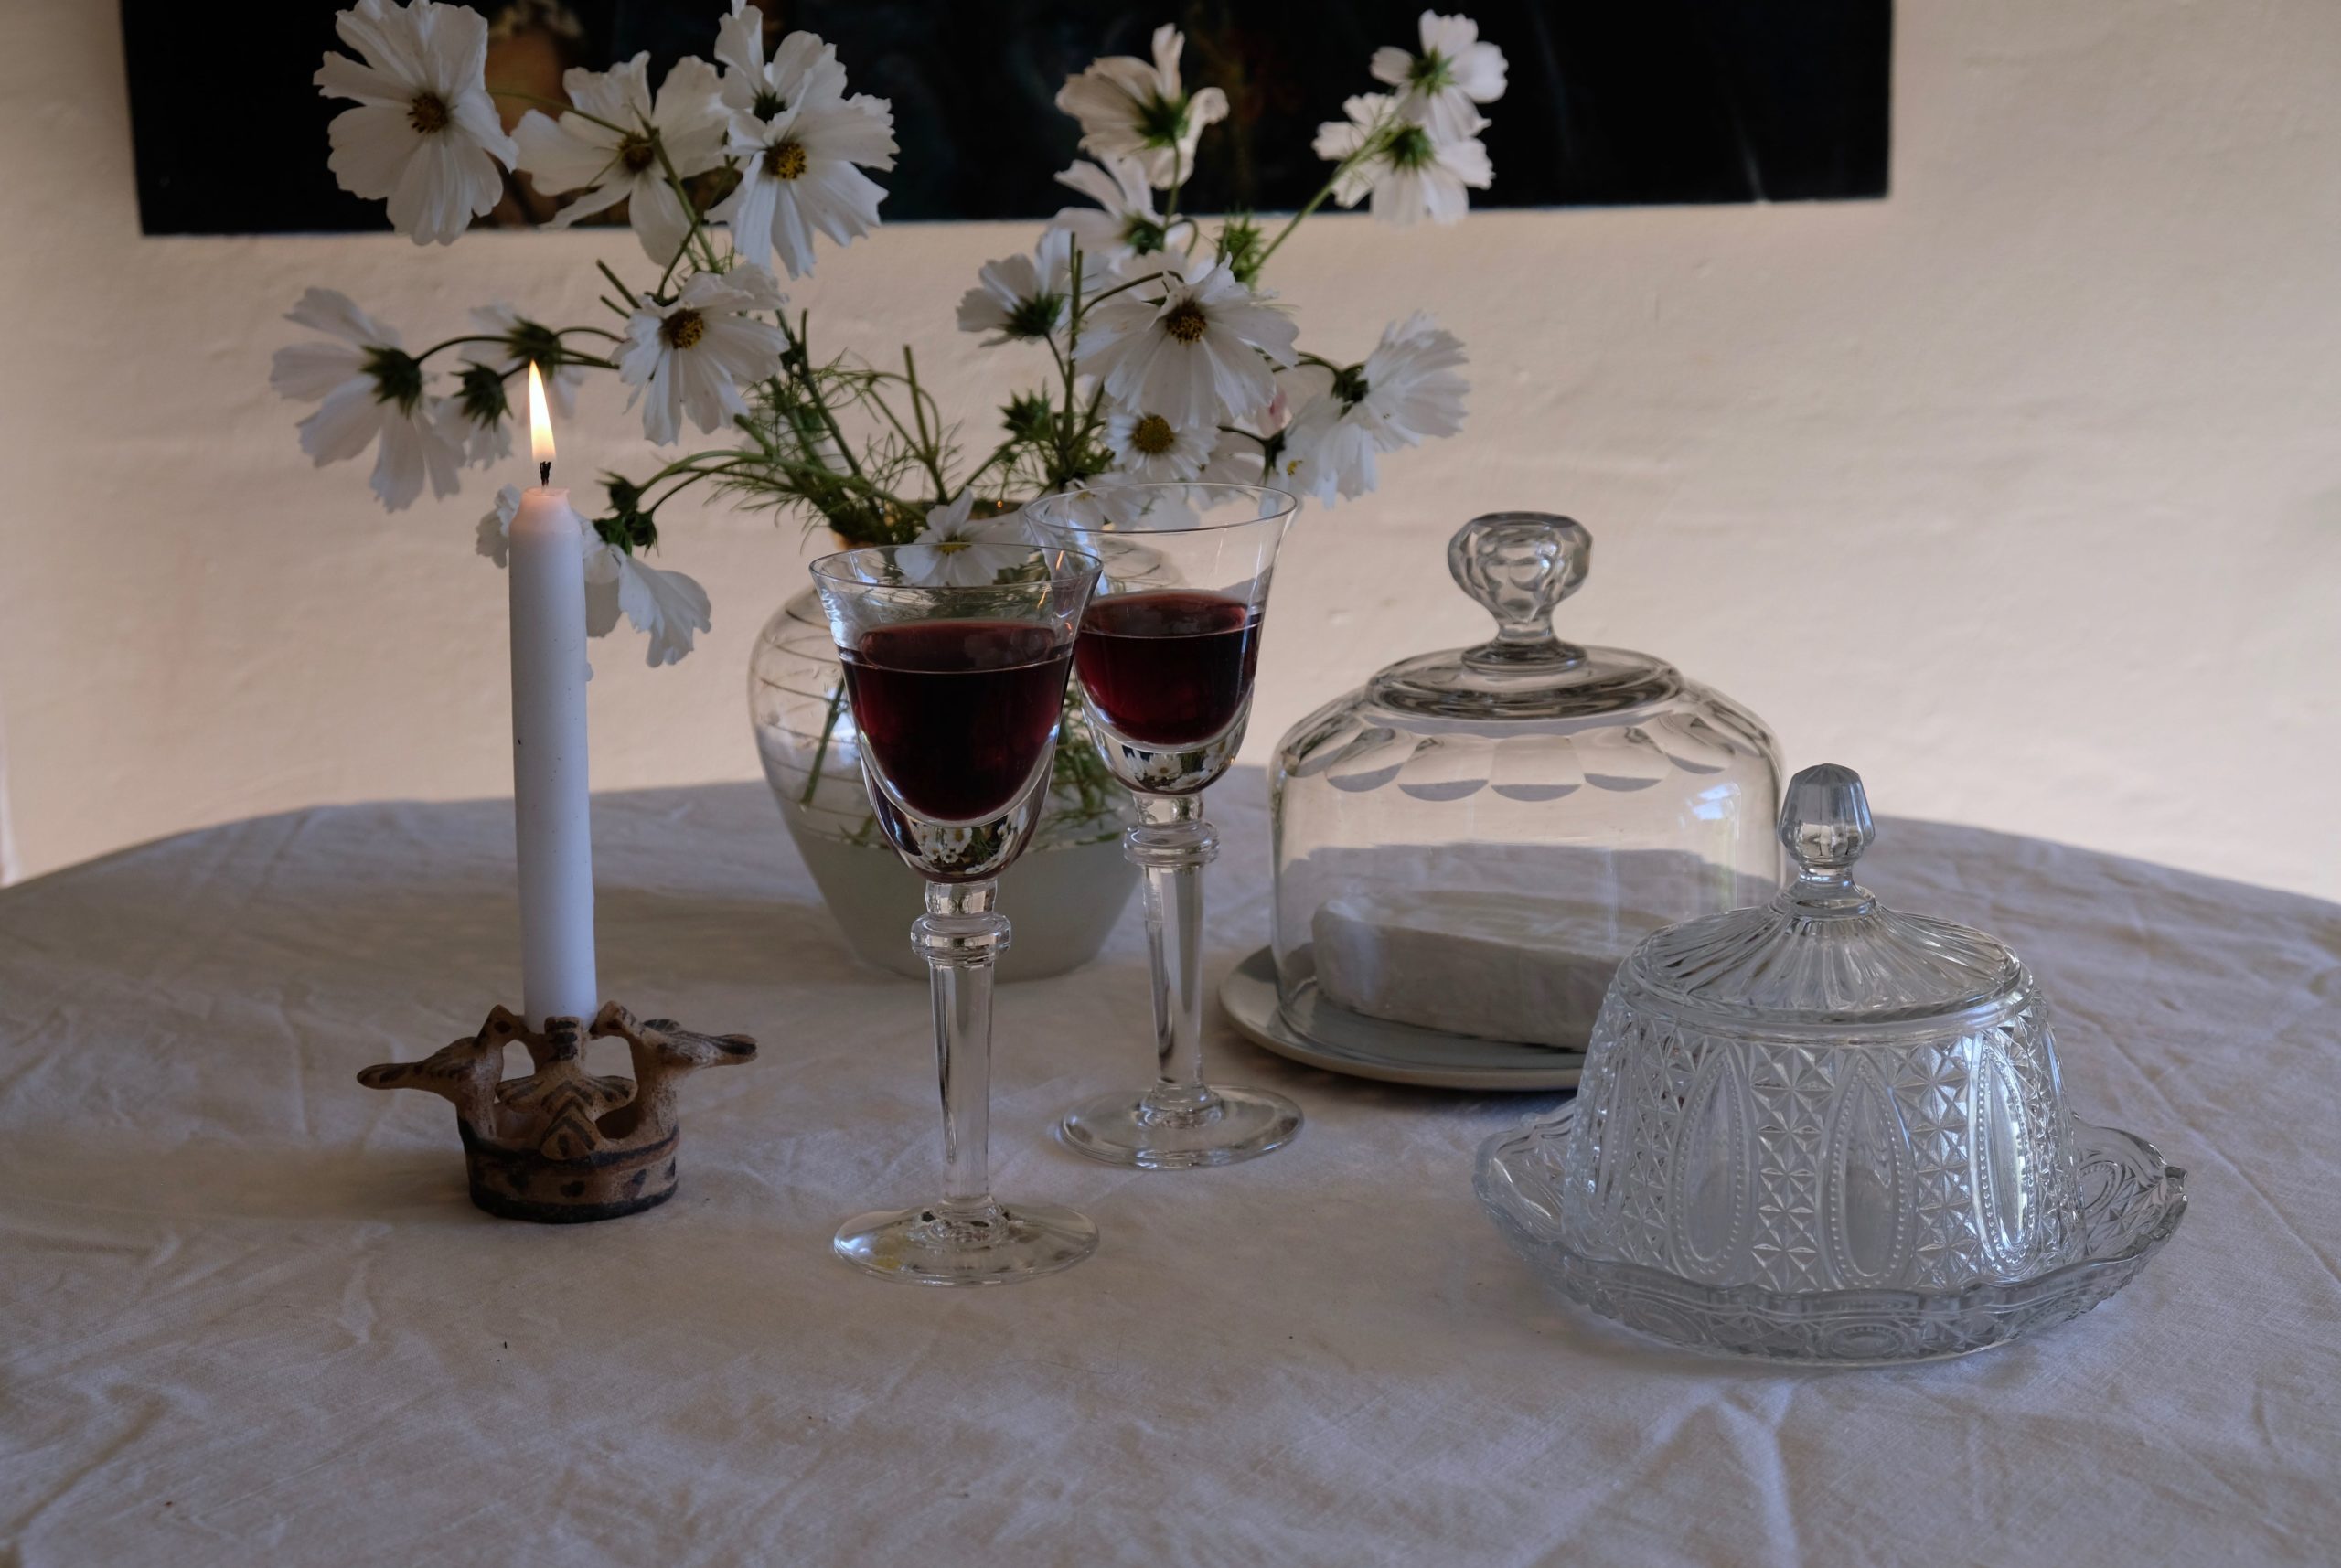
1467	845
1820	1129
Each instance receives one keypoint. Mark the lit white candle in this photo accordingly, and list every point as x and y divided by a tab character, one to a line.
550	810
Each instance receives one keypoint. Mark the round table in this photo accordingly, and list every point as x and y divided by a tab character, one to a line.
251	1316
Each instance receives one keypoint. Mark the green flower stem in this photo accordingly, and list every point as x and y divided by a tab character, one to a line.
1177	179
929	453
1125	288
468	337
675	182
801	340
1004	449
1377	138
617	282
1314	203
691	477
821	747
567	358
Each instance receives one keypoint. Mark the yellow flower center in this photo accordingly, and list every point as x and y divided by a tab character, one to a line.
636	152
1154	435
1186	321
684	329
784	160
428	113
952	546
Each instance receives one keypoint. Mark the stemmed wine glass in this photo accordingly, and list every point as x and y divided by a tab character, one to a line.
956	659
1166	656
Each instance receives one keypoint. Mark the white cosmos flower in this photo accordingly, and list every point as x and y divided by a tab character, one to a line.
1150	446
690	357
1409	170
1443	86
1130	109
756	89
609	165
1127	229
800	171
1238	459
366	389
667	605
1407	392
424	135
523	340
945	553
1199	354
484	443
1024	296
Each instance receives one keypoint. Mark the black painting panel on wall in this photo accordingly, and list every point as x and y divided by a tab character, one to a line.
1647	102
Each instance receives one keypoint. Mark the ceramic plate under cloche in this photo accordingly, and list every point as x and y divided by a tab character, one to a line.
1317	1034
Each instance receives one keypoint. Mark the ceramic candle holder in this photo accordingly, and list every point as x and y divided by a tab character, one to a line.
562	1146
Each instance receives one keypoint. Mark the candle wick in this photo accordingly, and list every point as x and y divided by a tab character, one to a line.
544	471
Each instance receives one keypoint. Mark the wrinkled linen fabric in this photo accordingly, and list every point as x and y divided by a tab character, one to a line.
250	1318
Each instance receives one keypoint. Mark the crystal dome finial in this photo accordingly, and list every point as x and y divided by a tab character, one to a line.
1519	566
1824	821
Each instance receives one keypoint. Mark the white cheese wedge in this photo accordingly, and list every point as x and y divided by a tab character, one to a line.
1499	965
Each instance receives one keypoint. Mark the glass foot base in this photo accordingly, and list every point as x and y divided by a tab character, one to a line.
1228	1125
997	1245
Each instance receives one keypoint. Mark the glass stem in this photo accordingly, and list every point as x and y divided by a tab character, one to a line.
960	936
1172	844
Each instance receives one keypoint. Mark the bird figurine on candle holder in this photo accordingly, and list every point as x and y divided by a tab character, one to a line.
562	1146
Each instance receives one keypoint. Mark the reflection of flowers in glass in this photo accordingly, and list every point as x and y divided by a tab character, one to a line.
1410	170
424	136
941	846
620	143
1443	86
1131	109
366	388
1128	229
690	357
1198	354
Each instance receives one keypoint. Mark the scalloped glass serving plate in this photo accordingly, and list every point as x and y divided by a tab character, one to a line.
2131	1201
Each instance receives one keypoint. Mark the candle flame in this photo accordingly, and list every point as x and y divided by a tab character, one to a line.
539	424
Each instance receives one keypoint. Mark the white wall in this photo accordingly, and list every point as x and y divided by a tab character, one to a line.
2018	491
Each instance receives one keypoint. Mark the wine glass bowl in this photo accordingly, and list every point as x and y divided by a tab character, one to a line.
1166	656
956	664
955	688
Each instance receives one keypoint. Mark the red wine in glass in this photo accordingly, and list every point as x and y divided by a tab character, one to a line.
1170	668
956	714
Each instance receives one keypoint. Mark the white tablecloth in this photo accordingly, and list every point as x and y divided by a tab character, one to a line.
250	1317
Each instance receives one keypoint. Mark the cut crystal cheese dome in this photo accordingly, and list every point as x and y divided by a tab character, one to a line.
1821	1095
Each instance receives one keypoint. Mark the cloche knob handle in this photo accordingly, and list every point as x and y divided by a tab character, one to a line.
1826	823
1519	566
